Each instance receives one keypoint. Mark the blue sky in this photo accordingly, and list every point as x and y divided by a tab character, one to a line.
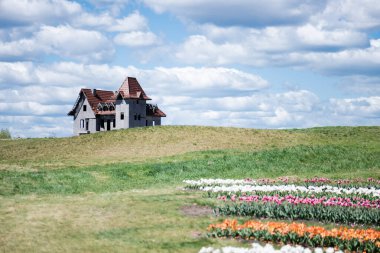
242	63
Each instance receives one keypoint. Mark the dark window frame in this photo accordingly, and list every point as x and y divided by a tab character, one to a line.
122	116
84	108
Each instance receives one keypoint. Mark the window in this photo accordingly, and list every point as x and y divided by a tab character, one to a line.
135	116
137	102
84	108
82	123
122	115
87	124
139	117
114	123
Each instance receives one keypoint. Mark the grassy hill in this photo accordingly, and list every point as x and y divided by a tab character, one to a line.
152	144
118	191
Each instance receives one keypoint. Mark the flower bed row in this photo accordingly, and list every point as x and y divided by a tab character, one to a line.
336	214
195	184
319	181
291	199
367	240
316	181
268	248
278	189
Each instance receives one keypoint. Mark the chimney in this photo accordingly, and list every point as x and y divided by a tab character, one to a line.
94	92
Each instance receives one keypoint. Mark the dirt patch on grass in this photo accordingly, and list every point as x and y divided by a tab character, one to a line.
196	210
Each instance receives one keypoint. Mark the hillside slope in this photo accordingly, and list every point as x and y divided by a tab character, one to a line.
121	191
152	143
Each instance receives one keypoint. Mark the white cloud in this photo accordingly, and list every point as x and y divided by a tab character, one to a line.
346	62
364	107
24	108
24	12
186	80
361	84
64	41
114	6
40	94
333	52
273	110
348	14
104	21
313	36
136	39
37	126
198	49
240	12
16	73
204	82
133	22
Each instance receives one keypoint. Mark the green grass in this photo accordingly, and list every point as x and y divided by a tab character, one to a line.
160	143
301	161
124	194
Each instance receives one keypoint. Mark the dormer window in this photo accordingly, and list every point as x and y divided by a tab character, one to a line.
84	108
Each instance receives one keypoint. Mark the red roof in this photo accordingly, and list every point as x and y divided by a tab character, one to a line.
132	89
129	89
153	110
94	97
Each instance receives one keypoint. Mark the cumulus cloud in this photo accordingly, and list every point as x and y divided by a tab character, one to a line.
104	21
240	12
360	84
364	107
356	61
304	47
199	49
278	110
40	94
64	41
114	6
164	80
37	126
24	12
136	39
16	73
32	108
349	14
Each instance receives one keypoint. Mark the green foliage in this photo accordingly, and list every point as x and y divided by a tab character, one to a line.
319	212
5	134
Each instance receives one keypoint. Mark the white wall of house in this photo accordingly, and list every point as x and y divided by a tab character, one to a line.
122	106
84	119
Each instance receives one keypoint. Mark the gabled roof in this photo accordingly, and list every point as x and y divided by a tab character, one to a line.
132	89
94	97
153	110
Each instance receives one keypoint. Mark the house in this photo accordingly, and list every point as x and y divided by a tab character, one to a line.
103	110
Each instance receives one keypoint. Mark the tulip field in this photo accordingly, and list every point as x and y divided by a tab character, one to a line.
193	189
274	211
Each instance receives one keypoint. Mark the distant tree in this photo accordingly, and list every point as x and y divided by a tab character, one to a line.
5	134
